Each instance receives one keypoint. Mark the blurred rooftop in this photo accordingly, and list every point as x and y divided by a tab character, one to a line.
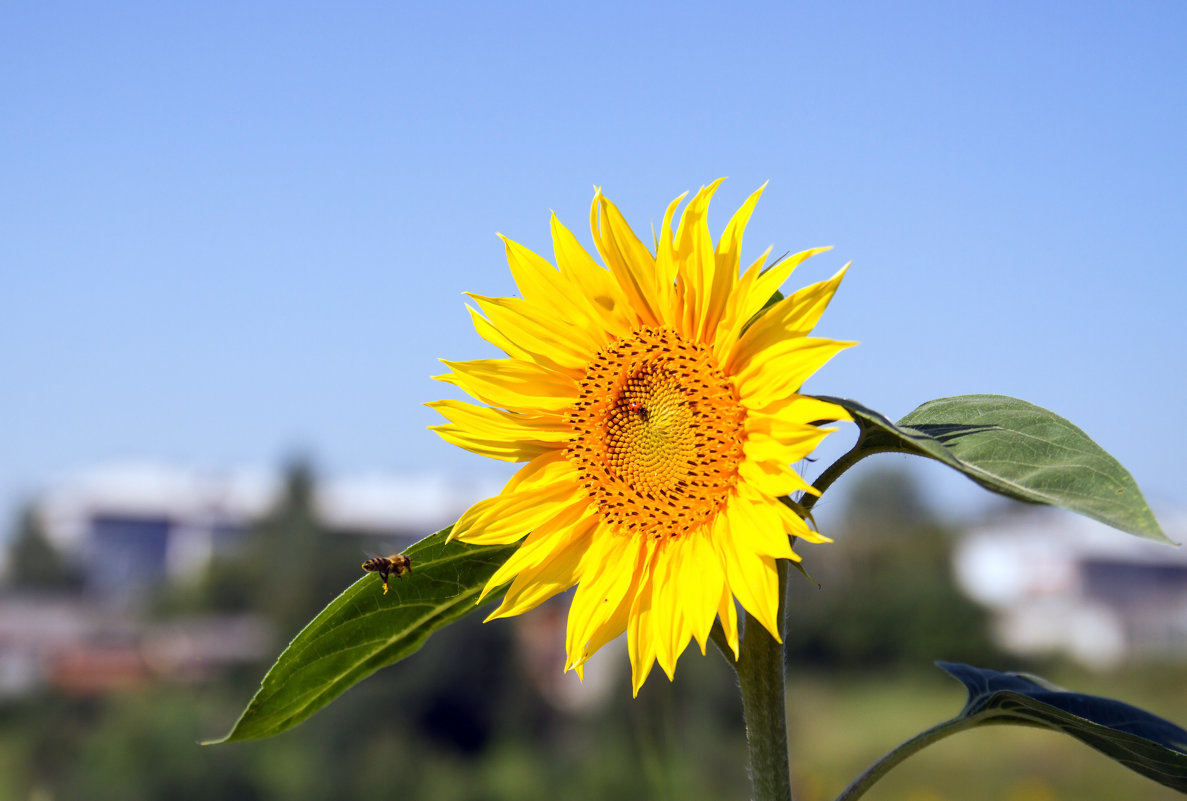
1059	582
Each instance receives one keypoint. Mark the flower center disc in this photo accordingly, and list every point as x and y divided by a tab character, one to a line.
657	433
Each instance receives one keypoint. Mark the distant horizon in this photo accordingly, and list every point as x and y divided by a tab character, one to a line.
361	493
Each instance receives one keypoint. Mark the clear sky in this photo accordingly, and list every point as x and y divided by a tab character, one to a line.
231	231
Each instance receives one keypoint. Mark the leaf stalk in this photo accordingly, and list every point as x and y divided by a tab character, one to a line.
900	752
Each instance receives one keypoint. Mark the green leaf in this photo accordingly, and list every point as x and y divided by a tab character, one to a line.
363	630
1146	743
1016	449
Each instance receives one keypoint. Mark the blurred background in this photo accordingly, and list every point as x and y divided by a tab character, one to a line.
233	242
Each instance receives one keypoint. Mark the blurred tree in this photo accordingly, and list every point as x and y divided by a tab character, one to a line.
283	553
887	594
288	567
460	719
885	503
33	561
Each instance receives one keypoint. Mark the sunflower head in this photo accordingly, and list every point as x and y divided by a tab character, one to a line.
657	414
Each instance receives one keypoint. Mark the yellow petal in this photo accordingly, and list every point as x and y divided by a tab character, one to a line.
499	434
640	634
763	448
541	284
540	545
603	599
671	627
627	258
728	258
535	492
758	523
698	274
551	341
700	578
545	564
492	447
596	288
794	316
727	613
500	424
753	579
667	262
773	479
755	288
494	336
729	247
512	384
513	516
782	367
797	527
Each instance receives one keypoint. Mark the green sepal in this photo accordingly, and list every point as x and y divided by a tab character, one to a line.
803	571
804	512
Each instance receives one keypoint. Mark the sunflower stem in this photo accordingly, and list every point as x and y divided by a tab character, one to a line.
760	675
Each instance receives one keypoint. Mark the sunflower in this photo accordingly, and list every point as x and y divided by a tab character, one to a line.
654	402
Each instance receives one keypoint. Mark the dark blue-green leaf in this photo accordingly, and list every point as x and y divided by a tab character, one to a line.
363	630
1016	449
1146	743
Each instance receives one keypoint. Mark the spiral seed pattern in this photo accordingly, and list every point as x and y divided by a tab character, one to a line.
657	434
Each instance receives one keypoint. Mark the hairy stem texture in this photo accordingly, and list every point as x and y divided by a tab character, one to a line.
760	674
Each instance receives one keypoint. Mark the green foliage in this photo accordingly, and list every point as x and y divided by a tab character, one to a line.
286	555
884	595
1024	452
363	630
463	720
1146	743
33	561
842	722
1013	448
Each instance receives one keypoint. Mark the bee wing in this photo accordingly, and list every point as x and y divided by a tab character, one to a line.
386	550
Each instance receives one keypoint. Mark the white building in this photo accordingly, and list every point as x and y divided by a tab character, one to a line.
1059	582
135	524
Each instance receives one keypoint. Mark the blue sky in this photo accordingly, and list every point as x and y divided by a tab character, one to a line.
229	232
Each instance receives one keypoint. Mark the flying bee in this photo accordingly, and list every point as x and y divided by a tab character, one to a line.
385	566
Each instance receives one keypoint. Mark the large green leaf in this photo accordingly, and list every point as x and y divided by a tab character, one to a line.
1017	449
1143	742
363	630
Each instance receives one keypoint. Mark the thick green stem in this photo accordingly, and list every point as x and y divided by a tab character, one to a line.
896	755
760	674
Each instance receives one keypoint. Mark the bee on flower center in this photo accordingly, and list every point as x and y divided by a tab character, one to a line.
397	564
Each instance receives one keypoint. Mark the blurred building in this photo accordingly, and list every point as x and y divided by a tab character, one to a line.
137	524
128	528
78	647
1059	582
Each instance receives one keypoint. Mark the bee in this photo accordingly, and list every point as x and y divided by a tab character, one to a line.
399	564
